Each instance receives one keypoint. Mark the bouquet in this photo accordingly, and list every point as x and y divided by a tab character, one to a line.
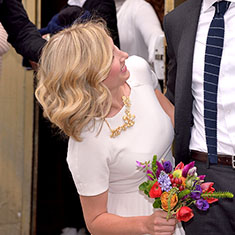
175	190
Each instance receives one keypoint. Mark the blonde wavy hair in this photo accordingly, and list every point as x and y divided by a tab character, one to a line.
72	67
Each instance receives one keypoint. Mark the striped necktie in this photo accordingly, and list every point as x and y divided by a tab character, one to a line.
214	49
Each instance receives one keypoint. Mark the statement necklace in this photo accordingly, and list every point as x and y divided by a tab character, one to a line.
128	119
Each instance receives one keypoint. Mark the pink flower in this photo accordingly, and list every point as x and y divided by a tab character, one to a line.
180	166
207	188
187	168
140	164
202	177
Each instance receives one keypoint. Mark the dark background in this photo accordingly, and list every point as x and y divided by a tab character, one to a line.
58	204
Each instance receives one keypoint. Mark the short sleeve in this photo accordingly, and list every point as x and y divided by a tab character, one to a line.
4	46
141	72
88	163
155	82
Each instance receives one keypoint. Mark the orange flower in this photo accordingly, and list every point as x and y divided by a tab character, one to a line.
183	180
164	201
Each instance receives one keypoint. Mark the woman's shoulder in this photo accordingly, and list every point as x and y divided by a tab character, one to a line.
137	63
92	142
140	71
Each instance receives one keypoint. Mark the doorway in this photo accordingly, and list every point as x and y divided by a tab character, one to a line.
57	203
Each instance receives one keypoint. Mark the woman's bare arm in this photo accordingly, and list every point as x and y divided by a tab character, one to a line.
100	222
167	106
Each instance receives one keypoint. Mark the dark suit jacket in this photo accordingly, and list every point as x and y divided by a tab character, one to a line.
22	34
107	10
180	28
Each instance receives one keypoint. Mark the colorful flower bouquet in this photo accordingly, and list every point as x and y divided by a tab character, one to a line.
175	190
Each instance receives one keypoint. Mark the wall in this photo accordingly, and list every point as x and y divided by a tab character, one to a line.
16	141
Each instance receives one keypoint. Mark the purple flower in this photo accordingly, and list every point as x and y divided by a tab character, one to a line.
201	177
159	168
164	181
196	193
140	164
167	166
185	197
186	168
202	204
150	175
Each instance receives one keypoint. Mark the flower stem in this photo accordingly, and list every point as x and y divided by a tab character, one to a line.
218	195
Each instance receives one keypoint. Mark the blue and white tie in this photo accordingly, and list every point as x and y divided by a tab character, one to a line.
214	49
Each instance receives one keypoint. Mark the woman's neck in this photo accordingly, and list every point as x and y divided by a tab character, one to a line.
117	102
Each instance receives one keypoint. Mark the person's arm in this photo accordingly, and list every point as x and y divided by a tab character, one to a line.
4	46
22	33
100	222
167	106
148	24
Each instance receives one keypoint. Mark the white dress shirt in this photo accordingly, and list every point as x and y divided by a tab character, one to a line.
140	31
78	3
226	86
118	4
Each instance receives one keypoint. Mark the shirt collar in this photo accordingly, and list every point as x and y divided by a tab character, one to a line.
208	3
78	3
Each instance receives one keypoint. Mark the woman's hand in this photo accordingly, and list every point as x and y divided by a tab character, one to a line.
100	222
157	224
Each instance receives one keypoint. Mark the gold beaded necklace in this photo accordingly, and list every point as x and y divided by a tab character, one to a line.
128	119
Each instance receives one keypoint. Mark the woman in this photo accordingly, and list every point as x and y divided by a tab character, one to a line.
107	104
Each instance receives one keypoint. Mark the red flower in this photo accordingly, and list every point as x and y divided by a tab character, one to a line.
179	166
184	214
155	191
207	188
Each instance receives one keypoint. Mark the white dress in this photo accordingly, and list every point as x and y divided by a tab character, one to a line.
100	163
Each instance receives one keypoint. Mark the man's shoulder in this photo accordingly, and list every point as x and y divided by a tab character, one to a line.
176	20
183	9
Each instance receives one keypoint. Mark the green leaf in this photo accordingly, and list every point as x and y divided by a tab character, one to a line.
146	192
154	163
183	193
151	176
157	203
143	186
150	184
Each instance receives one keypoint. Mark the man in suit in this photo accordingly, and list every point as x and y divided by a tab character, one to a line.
22	33
186	29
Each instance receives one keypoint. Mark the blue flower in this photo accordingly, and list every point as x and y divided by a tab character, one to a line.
164	181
